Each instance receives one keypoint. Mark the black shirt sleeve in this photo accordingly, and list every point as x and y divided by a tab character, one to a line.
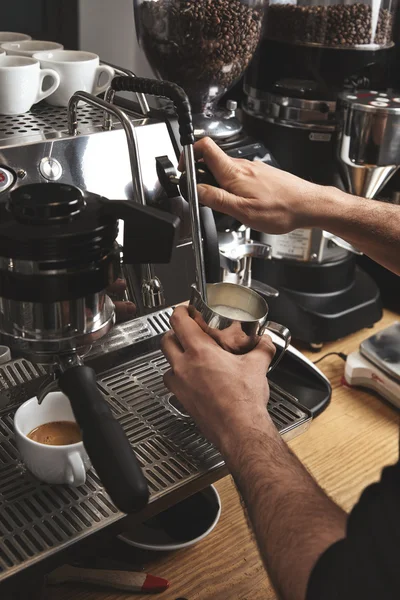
366	564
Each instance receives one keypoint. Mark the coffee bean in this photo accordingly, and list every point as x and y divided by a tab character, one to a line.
202	45
334	25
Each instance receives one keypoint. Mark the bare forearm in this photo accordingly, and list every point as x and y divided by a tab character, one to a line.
371	226
294	521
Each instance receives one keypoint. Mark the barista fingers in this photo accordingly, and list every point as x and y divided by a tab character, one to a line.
310	547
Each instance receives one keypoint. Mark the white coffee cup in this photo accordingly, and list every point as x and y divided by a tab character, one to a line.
12	36
78	70
21	84
29	47
51	464
2	53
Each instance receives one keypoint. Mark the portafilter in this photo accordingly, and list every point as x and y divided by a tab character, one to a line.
58	254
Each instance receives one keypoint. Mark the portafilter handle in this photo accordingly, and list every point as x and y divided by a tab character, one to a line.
104	439
166	89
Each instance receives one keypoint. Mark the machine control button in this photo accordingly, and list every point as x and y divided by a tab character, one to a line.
50	168
6	179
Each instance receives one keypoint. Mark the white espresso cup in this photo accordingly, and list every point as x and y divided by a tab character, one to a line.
13	36
78	70
29	47
51	464
21	84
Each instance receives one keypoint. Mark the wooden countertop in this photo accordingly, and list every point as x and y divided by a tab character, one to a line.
345	449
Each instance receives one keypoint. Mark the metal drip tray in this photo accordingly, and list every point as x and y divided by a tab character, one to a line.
38	520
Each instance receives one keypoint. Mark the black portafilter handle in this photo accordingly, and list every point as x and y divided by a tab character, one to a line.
105	441
162	89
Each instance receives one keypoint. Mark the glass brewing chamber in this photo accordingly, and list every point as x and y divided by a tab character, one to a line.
359	24
202	45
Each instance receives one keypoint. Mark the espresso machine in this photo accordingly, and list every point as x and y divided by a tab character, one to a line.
68	179
320	50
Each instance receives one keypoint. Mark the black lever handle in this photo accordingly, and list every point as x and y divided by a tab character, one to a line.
105	441
162	89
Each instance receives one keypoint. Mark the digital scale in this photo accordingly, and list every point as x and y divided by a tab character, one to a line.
376	365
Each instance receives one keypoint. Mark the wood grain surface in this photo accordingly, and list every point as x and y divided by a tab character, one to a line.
345	450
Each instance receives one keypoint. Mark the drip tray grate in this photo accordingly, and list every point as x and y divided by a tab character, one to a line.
37	520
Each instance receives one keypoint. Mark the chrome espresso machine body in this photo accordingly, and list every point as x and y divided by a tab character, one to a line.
87	158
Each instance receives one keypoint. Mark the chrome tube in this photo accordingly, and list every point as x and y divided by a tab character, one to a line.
195	221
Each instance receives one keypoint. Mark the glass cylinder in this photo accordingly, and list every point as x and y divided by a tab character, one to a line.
202	45
364	25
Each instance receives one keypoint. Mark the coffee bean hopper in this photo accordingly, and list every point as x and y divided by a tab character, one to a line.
205	48
58	255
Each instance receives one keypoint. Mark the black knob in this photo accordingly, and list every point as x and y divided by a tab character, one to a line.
203	175
41	203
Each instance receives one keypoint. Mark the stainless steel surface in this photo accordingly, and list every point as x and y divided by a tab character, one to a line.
50	168
152	293
235	316
290	111
262	288
141	98
305	245
44	123
46	330
369	142
130	132
237	250
197	239
38	520
152	289
341	243
219	125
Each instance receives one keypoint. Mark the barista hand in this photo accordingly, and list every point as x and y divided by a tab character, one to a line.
258	195
274	201
223	392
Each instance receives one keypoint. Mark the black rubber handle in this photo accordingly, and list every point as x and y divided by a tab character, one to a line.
162	89
105	441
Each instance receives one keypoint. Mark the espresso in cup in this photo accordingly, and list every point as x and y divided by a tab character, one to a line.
21	84
56	433
78	71
50	442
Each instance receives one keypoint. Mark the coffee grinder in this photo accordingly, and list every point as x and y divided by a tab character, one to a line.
319	50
